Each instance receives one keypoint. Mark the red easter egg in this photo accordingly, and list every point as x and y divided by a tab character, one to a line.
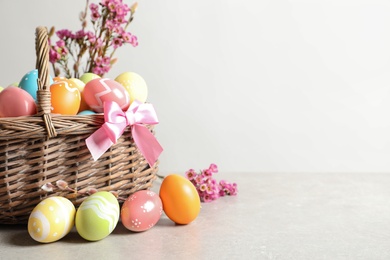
65	97
141	210
99	90
15	101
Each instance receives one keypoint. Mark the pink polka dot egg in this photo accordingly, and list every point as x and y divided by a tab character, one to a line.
51	219
141	211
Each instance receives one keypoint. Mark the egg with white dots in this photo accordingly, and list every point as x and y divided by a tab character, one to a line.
29	83
51	219
141	211
134	84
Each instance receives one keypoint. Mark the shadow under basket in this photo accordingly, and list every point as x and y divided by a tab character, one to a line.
45	148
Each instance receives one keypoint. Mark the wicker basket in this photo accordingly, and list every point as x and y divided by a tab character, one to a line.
45	148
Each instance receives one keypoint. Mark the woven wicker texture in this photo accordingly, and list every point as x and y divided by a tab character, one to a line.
35	150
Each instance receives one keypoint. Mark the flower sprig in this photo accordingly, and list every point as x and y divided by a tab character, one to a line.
96	47
207	187
64	186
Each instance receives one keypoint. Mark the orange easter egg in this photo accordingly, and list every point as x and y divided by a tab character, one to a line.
65	98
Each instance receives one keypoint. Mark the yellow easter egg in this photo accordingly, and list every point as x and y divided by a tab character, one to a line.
51	219
80	86
135	86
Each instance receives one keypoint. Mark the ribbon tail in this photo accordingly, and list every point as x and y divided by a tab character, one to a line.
98	143
146	143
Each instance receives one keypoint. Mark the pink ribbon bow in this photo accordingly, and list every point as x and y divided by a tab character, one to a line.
115	124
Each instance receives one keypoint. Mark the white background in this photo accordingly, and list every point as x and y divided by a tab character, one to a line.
251	85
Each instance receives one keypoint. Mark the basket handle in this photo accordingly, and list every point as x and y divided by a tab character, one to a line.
43	93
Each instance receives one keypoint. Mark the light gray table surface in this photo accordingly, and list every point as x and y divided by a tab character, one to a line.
274	216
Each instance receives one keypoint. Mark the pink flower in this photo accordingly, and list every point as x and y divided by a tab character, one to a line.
116	43
110	25
207	198
95	15
102	65
99	61
106	60
80	34
213	168
64	51
207	173
112	6
228	188
63	34
106	69
91	37
60	43
207	187
93	7
210	189
54	56
233	189
199	179
98	43
122	10
97	70
203	187
109	21
120	20
190	174
134	41
126	36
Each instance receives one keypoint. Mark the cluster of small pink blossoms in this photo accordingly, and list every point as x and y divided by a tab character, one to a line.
109	19
208	188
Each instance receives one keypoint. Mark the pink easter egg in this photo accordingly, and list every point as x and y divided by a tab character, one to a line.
99	90
141	210
15	102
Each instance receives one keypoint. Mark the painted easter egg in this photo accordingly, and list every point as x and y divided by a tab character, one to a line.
15	101
51	219
29	83
86	112
80	85
87	77
55	79
99	90
97	216
181	202
65	98
141	210
14	84
135	86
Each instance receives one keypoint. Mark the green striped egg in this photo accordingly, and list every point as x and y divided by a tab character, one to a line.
97	216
